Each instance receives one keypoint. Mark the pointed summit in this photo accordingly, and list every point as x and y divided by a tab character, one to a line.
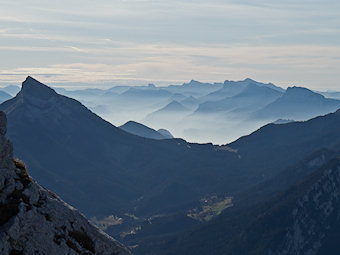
195	84
33	88
249	80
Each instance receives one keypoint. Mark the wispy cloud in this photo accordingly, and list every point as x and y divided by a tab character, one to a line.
280	41
285	65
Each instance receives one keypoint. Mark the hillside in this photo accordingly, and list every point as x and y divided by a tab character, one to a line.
299	219
34	220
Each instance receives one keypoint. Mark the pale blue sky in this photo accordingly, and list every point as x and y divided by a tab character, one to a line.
108	42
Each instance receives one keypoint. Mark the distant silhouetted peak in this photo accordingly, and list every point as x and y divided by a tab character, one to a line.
132	123
196	84
296	89
301	92
33	88
193	82
249	80
165	133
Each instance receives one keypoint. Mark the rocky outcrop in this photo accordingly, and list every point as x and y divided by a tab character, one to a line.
33	220
315	216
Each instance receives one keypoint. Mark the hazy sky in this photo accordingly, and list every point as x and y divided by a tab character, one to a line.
106	42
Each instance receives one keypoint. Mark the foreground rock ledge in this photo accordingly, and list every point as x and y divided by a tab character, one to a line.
33	220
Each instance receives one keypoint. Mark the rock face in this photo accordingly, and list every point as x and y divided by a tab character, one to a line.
33	220
314	227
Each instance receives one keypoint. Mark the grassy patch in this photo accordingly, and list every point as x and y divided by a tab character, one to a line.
210	208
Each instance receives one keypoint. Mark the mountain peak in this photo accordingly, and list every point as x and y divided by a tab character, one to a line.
249	80
34	88
194	82
296	89
300	91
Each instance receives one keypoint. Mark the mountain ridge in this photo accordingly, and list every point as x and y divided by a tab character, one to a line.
298	103
139	129
25	206
121	174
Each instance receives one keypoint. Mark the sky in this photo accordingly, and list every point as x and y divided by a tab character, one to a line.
87	43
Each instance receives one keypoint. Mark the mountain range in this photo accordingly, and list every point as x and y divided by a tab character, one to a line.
126	164
252	97
11	89
4	96
152	185
222	111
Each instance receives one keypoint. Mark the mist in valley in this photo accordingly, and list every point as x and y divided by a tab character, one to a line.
217	113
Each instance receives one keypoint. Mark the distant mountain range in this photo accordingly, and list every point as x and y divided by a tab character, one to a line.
226	110
126	164
252	97
11	90
194	88
152	185
330	94
4	96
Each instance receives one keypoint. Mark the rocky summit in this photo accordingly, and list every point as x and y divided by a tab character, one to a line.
34	220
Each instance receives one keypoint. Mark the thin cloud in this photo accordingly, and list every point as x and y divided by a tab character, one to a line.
284	42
